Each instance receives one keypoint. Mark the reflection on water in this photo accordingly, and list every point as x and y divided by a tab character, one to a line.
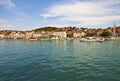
59	61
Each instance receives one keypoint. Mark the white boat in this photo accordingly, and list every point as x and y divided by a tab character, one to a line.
92	39
101	39
33	39
69	38
111	38
88	39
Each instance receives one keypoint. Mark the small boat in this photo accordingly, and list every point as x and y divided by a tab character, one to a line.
88	39
92	39
69	38
101	39
33	39
110	38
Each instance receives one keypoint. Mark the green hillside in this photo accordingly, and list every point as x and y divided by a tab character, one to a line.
47	28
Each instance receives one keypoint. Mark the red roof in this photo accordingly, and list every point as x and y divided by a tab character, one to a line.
7	33
59	31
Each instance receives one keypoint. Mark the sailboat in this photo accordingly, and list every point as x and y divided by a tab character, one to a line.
114	33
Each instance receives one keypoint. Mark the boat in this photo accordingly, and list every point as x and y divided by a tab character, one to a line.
100	39
92	39
111	38
33	39
114	36
88	39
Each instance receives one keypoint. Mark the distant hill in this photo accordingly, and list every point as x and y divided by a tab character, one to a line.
47	28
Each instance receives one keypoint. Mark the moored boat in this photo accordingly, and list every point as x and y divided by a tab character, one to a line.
88	39
92	39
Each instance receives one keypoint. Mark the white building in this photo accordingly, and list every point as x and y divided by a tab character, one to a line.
1	35
61	34
82	34
38	33
19	35
78	34
29	34
12	35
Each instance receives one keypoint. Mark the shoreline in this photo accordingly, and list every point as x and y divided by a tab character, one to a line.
67	39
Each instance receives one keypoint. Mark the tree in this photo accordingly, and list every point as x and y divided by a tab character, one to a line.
49	28
106	34
90	34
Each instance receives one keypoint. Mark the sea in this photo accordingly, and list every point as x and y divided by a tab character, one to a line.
59	60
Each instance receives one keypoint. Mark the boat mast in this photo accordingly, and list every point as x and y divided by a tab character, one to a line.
114	34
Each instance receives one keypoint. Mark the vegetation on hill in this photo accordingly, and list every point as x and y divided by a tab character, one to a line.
88	34
106	34
47	28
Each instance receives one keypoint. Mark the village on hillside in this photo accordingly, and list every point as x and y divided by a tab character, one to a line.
54	33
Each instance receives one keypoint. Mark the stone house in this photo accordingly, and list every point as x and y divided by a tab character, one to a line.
61	34
29	34
19	35
38	33
1	35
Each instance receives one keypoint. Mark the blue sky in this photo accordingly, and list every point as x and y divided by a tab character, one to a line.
31	14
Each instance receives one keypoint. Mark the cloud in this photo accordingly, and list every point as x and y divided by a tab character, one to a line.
93	20
89	12
7	4
57	25
6	27
2	21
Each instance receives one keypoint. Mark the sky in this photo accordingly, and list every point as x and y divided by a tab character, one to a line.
31	14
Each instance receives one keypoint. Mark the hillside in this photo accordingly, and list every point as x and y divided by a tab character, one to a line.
47	28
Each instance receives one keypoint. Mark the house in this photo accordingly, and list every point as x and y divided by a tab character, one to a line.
118	31
12	34
38	33
29	34
76	35
61	34
7	35
46	35
109	29
82	34
19	35
99	32
1	35
54	37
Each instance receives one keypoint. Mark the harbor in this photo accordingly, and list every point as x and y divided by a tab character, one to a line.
65	33
59	40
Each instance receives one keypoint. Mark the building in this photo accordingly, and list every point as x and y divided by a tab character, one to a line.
38	33
118	31
13	34
7	35
82	34
46	35
1	35
61	34
29	34
99	32
76	35
19	35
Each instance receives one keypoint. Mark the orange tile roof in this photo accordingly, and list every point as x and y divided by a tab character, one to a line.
59	31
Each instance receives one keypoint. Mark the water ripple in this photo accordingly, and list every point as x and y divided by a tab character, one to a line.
59	61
